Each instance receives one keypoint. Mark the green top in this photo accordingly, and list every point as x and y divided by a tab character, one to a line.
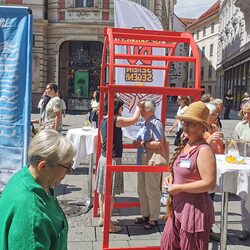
29	217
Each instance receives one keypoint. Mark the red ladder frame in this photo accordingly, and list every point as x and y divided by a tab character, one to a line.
155	39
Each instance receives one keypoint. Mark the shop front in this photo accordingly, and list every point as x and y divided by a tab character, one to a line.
79	72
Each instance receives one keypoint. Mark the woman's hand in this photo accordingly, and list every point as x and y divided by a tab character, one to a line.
174	189
168	180
214	137
138	144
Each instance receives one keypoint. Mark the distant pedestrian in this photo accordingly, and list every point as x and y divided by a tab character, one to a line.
42	106
53	114
228	104
245	99
220	107
183	102
206	97
94	111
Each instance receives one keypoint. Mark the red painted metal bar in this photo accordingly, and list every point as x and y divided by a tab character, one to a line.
162	38
148	44
100	116
117	31
133	248
158	58
153	90
136	169
126	205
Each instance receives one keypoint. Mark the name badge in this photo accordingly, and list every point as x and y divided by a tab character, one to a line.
185	164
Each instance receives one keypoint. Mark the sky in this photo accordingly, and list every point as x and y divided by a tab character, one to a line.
192	8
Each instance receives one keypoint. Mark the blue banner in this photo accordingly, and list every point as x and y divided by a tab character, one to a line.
15	89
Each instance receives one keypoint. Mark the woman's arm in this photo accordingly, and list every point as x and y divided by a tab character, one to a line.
207	168
173	127
58	120
122	122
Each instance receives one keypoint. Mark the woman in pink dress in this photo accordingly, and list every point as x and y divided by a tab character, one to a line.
193	174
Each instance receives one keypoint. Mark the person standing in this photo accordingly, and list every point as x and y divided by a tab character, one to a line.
228	104
183	101
150	136
117	177
94	103
42	106
53	113
30	216
193	174
242	131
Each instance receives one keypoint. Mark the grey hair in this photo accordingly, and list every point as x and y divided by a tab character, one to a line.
217	101
50	146
150	104
211	107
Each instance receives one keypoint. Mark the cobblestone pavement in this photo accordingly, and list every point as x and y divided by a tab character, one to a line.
84	232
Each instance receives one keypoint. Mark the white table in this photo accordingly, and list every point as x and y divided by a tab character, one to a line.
85	141
231	178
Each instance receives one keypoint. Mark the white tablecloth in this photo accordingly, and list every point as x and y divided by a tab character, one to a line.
233	178
85	142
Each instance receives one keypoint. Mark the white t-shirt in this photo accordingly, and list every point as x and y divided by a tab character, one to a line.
181	111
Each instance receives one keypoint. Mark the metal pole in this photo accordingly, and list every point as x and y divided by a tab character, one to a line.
223	224
90	176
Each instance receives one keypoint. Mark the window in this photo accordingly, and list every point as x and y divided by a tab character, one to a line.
203	52
211	52
212	28
210	72
202	73
198	34
84	3
144	3
204	31
190	73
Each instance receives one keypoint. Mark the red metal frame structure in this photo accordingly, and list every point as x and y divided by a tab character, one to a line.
155	39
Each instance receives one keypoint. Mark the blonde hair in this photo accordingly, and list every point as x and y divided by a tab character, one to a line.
52	147
211	107
171	164
244	105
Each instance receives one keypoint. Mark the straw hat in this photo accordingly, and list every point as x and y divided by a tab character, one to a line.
196	112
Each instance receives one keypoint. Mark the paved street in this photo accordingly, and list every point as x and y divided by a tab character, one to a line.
83	230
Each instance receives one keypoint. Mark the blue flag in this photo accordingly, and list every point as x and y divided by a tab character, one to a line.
15	88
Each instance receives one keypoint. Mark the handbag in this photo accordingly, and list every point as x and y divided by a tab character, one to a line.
158	156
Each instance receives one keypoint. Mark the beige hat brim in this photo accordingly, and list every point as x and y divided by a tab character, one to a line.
193	119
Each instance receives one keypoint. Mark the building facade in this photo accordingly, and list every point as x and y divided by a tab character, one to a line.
205	32
234	49
178	71
67	43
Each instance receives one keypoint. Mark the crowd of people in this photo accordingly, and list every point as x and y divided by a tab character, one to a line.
190	183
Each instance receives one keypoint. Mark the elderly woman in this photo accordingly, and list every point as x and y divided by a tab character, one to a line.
193	174
31	217
213	136
242	131
150	136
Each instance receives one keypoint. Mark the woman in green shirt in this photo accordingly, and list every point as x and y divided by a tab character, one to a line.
30	216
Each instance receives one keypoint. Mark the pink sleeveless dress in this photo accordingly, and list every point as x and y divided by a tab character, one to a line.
194	213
